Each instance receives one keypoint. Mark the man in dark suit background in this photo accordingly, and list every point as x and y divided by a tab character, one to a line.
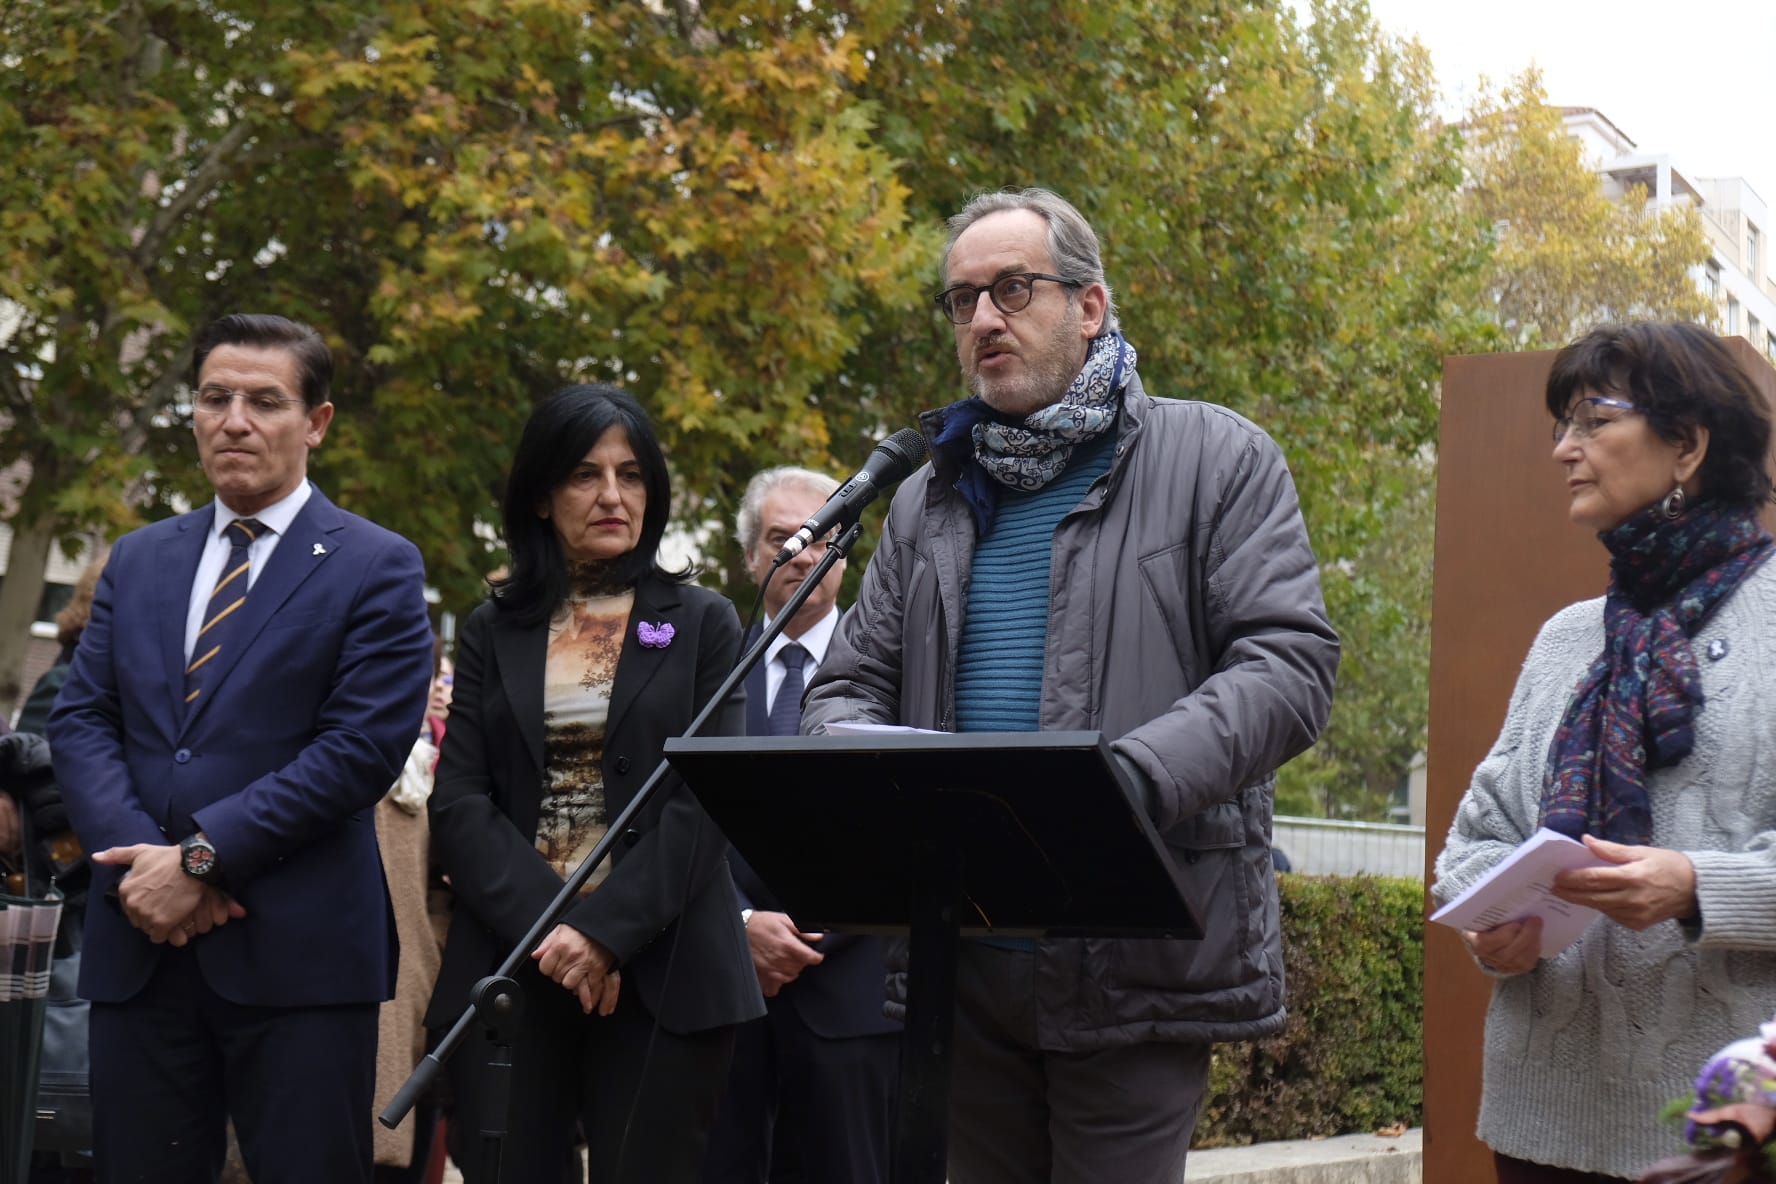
251	680
809	1094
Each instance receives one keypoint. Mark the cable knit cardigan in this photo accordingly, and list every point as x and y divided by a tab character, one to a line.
1583	1052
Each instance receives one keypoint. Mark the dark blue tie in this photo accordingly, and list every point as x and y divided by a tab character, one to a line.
786	708
223	610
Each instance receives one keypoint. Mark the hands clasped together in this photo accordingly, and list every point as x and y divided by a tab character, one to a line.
161	900
581	965
1643	887
170	906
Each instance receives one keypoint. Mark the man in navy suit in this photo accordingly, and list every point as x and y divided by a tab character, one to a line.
808	1097
251	681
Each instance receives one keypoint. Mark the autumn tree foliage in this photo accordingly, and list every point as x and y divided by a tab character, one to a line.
736	210
473	201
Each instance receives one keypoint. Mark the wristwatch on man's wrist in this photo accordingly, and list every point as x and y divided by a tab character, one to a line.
198	857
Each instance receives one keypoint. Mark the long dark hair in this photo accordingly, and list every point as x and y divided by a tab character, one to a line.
561	431
1680	376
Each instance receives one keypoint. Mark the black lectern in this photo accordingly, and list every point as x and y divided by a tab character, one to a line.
938	836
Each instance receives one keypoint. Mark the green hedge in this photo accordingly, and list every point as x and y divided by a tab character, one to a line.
1351	1057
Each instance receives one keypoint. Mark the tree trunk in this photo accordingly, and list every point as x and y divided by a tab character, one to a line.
20	593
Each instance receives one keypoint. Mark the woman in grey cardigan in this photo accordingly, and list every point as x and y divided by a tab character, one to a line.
1641	725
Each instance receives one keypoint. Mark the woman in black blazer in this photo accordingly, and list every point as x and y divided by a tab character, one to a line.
568	683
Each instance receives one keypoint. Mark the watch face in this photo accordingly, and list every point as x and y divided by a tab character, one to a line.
199	860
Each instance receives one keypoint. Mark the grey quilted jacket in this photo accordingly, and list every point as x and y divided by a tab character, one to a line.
1186	623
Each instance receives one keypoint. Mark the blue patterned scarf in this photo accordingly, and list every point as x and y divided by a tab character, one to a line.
1634	710
1027	453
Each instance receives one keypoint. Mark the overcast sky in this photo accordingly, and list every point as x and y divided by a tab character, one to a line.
1696	81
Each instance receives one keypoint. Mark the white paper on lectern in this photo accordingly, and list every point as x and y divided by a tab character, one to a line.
1522	886
858	727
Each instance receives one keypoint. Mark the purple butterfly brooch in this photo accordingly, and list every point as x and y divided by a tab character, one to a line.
655	637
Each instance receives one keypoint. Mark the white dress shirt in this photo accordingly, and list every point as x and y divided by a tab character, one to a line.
815	641
278	516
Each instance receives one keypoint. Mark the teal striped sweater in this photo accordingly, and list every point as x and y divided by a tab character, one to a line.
1005	629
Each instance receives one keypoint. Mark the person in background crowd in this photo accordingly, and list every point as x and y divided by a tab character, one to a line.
24	770
58	852
1639	725
438	708
809	1095
70	624
421	906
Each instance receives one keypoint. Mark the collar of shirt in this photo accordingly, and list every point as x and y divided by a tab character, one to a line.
279	516
815	640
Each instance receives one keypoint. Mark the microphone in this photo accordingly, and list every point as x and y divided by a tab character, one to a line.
893	461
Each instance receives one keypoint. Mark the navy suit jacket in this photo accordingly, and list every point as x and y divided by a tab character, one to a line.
842	996
300	732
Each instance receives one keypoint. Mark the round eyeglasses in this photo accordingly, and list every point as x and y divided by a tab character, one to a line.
1582	420
1010	293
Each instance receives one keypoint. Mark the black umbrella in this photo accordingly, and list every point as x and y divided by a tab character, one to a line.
27	940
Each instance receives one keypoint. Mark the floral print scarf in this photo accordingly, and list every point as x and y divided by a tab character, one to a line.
1634	709
1027	453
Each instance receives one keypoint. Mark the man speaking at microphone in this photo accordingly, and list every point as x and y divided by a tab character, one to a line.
1082	555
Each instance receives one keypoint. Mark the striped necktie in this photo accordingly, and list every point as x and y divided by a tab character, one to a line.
223	611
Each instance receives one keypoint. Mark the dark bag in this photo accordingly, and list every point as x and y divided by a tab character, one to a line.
64	1098
64	1094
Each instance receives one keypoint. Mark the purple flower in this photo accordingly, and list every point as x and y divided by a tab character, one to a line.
1741	1073
655	637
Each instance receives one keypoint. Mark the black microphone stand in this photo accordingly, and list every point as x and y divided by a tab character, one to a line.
497	1000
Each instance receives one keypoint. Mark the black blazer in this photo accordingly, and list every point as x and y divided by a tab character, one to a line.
489	789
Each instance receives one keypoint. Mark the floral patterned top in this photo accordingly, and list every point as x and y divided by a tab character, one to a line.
585	640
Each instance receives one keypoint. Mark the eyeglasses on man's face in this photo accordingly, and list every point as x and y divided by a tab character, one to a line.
1587	415
773	542
214	402
1010	293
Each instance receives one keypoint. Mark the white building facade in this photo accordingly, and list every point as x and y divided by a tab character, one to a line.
1738	276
